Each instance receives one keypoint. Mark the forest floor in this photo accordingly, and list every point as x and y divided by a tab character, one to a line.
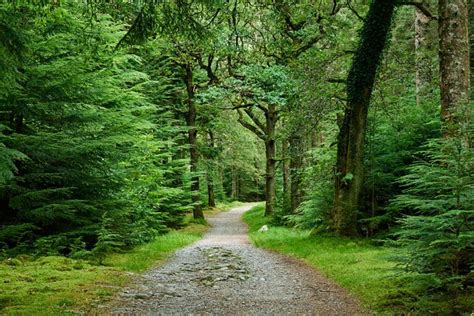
224	274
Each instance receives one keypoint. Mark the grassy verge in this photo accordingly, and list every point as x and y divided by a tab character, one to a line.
355	264
364	269
58	285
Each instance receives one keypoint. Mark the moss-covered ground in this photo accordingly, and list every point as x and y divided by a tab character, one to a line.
56	285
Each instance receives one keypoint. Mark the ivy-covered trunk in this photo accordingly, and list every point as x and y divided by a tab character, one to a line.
271	120
192	138
350	149
454	63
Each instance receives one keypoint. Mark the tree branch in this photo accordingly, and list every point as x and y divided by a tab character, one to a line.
242	106
420	6
348	2
250	127
255	119
336	80
208	68
261	107
306	46
213	17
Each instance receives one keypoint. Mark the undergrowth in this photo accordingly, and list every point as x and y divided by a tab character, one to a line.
55	285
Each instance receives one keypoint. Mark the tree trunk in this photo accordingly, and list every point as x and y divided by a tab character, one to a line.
424	41
471	41
296	165
454	64
271	119
234	190
192	137
350	149
211	201
286	176
209	175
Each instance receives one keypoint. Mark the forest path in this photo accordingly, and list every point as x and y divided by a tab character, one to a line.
224	274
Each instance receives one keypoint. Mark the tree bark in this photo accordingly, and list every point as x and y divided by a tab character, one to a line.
454	57
296	165
270	149
234	189
285	166
471	41
424	41
192	138
266	132
350	149
211	200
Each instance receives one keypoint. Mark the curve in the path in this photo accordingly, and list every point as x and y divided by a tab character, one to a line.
223	274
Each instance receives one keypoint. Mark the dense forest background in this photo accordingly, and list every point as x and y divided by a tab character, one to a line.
352	118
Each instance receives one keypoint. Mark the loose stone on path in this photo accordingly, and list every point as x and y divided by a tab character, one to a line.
224	274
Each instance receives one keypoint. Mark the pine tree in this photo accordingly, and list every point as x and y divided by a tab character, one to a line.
438	234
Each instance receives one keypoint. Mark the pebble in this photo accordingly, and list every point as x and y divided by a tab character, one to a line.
223	274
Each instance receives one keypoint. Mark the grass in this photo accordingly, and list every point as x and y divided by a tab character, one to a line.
61	286
226	206
355	264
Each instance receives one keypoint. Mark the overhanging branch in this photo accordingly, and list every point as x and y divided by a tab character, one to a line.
420	6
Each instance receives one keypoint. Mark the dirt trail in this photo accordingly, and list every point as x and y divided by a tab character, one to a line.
223	274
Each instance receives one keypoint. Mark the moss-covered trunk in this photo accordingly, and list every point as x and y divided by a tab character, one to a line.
350	150
425	50
454	63
211	200
192	139
270	149
471	43
285	170
296	165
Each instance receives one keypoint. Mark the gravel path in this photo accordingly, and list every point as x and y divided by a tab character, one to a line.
223	274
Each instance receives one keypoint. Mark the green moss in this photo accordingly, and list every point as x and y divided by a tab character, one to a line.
144	257
58	285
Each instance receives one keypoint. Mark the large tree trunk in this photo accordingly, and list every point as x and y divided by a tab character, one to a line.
296	166
424	45
192	138
350	149
454	63
271	120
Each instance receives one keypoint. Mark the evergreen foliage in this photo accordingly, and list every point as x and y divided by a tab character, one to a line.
93	167
438	195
